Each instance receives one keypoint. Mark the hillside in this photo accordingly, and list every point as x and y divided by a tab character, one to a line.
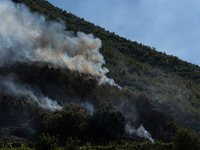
156	89
167	80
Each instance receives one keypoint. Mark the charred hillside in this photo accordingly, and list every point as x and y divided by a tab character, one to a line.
86	82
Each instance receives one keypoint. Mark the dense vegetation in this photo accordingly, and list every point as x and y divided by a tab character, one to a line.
71	89
169	82
158	90
184	139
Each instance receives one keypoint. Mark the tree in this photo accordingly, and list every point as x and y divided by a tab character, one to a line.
186	139
65	124
108	122
46	142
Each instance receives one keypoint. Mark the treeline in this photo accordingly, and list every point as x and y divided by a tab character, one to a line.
183	139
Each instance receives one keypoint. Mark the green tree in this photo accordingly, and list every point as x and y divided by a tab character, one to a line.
72	143
46	142
186	139
65	124
1	144
108	122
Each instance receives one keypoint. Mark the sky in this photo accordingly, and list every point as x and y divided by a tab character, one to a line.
171	26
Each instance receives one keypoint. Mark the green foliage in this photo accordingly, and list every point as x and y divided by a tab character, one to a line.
147	145
186	139
18	144
170	129
46	142
112	146
87	146
72	143
108	122
9	145
1	144
65	124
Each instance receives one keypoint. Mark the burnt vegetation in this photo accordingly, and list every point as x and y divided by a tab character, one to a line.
158	91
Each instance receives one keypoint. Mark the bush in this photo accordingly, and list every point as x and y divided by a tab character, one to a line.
1	144
46	142
108	123
87	146
9	145
72	144
65	124
147	145
16	144
186	139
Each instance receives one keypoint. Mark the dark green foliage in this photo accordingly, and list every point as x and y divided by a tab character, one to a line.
72	143
170	129
157	145
87	146
16	144
108	123
1	144
8	145
47	142
65	124
146	145
186	139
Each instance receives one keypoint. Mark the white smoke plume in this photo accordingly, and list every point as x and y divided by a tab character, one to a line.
11	88
88	106
130	113
85	104
25	36
141	132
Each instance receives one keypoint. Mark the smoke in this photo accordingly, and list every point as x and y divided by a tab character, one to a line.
89	107
130	113
141	132
35	98
25	36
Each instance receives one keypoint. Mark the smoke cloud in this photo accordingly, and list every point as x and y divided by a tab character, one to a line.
35	98
141	132
88	106
130	113
25	36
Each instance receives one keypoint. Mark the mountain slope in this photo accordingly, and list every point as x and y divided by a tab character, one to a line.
152	81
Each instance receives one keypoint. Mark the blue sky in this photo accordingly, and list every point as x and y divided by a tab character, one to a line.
171	26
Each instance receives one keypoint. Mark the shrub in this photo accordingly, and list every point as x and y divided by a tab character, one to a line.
65	124
9	145
87	146
46	142
72	144
108	123
16	144
1	144
147	145
186	139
